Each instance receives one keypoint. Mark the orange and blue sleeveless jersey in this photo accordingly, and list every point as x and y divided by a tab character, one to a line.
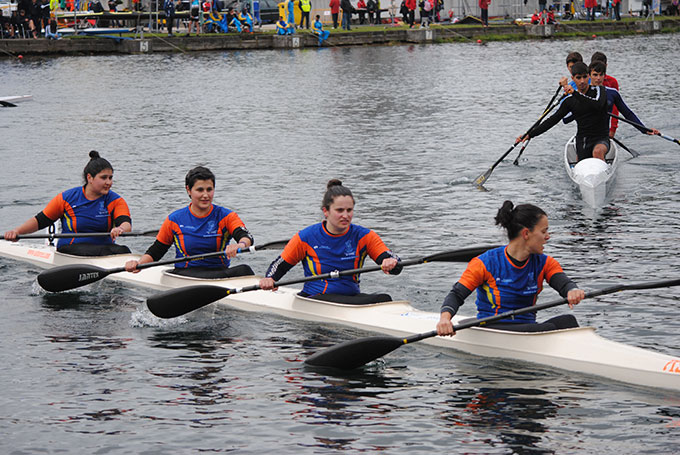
322	252
79	214
194	235
502	286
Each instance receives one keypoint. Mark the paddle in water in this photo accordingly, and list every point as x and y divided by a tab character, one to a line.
356	353
479	181
548	107
77	275
178	302
629	150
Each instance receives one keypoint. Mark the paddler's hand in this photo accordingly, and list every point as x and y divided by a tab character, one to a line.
131	266
115	232
267	284
231	250
445	326
575	296
388	264
522	139
654	132
11	235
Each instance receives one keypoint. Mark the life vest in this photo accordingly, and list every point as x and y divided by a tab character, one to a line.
305	5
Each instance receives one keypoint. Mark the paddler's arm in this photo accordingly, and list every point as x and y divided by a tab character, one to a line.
566	288
29	226
154	254
277	269
452	303
548	123
125	226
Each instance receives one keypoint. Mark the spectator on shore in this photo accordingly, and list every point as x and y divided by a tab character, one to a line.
290	11
536	17
403	10
484	7
590	7
282	27
674	9
169	8
411	5
542	5
194	13
246	19
51	31
361	10
347	10
334	5
317	28
305	7
426	7
373	11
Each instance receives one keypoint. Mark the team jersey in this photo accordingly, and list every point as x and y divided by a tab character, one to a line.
589	110
79	214
502	286
194	235
322	252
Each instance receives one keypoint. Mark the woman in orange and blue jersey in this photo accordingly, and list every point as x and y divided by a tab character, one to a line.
511	277
199	228
92	207
334	244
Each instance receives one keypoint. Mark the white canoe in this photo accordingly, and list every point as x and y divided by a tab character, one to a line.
593	176
16	98
579	350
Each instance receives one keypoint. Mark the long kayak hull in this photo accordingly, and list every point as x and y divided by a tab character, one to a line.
579	350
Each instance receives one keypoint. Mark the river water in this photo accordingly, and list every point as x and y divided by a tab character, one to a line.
407	128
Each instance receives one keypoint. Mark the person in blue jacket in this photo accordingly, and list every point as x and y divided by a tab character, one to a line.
317	28
291	16
282	27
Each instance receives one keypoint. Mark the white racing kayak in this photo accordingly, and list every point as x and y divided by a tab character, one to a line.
593	176
579	350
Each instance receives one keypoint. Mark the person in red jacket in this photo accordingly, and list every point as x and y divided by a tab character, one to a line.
484	6
617	9
411	5
334	5
361	9
590	6
609	81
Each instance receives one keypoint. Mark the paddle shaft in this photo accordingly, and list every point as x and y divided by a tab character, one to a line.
510	314
623	146
642	127
78	235
484	177
462	255
548	107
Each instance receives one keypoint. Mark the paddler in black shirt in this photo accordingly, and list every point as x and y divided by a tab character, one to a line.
589	108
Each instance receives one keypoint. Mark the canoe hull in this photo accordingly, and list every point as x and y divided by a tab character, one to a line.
579	350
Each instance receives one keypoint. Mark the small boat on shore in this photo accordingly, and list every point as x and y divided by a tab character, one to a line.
593	176
579	350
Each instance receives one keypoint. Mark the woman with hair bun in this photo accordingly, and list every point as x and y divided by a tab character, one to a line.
201	227
334	244
92	207
511	277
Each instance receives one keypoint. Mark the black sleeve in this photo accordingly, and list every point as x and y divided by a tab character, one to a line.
388	254
122	219
551	121
278	268
157	250
241	233
562	284
455	299
43	221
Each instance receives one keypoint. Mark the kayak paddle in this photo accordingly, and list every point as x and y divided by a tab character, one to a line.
623	146
74	276
79	235
642	127
178	302
547	107
356	353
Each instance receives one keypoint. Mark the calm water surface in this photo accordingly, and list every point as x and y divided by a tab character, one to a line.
407	128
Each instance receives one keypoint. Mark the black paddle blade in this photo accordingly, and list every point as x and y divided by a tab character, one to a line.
354	353
70	277
177	302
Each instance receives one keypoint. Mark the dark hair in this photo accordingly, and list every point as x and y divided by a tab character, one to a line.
574	57
599	56
198	173
334	189
579	68
514	219
598	66
95	165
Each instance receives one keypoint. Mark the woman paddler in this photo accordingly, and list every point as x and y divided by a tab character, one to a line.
511	277
92	207
334	244
199	228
